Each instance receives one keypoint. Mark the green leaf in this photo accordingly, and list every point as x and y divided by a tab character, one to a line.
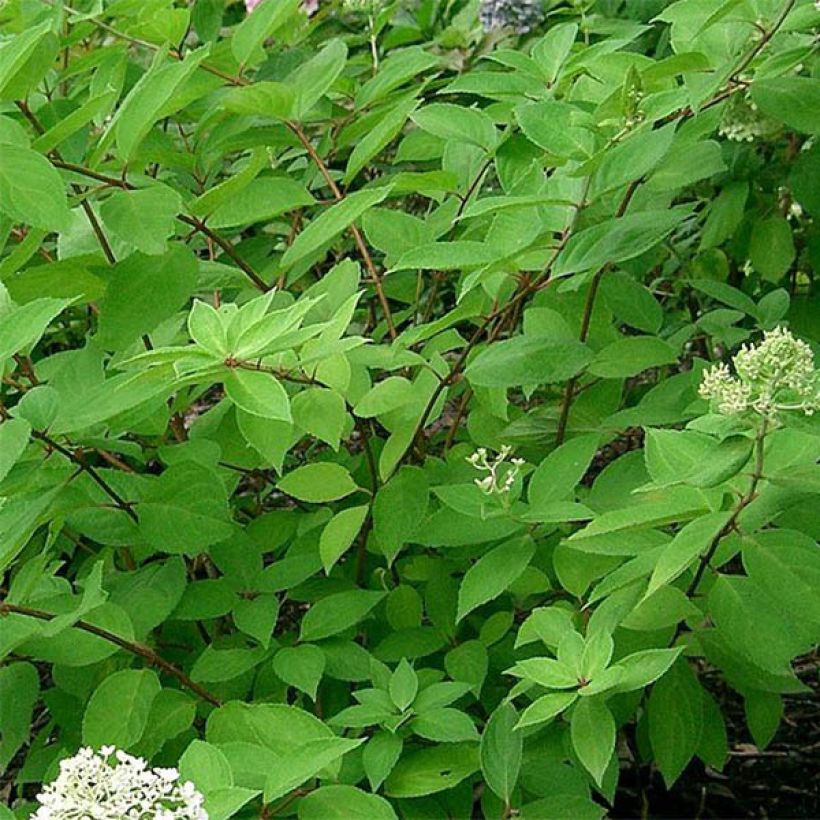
337	613
260	394
305	762
117	712
725	214
444	726
592	729
771	247
501	751
31	189
551	51
260	200
267	19
392	393
378	137
318	483
339	534
15	54
149	99
528	360
399	510
344	802
262	99
326	227
690	542
322	413
785	564
185	510
632	355
645	667
557	127
19	691
794	101
559	473
143	291
455	122
24	326
14	438
403	686
431	770
675	720
300	666
313	79
457	255
618	239
492	574
398	68
631	302
219	665
206	766
144	218
380	755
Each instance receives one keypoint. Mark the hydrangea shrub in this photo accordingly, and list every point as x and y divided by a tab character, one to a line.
407	410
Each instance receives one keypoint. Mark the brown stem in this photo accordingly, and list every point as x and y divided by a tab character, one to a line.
730	525
85	467
586	320
196	224
356	233
138	649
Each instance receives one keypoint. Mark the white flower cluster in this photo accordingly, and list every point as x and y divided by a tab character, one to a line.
520	16
92	787
776	375
743	122
500	475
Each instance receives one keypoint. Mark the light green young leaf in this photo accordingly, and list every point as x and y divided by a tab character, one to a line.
258	393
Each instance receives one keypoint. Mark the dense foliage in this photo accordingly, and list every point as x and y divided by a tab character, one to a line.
363	447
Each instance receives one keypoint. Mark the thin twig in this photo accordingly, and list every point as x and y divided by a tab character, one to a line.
138	649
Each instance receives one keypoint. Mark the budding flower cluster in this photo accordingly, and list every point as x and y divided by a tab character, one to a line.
776	375
500	475
521	16
743	122
90	786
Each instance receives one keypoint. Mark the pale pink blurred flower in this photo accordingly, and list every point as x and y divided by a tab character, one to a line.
310	6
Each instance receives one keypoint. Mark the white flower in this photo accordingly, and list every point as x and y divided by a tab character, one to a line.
92	787
500	476
776	375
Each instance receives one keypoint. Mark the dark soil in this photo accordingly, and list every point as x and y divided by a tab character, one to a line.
781	781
